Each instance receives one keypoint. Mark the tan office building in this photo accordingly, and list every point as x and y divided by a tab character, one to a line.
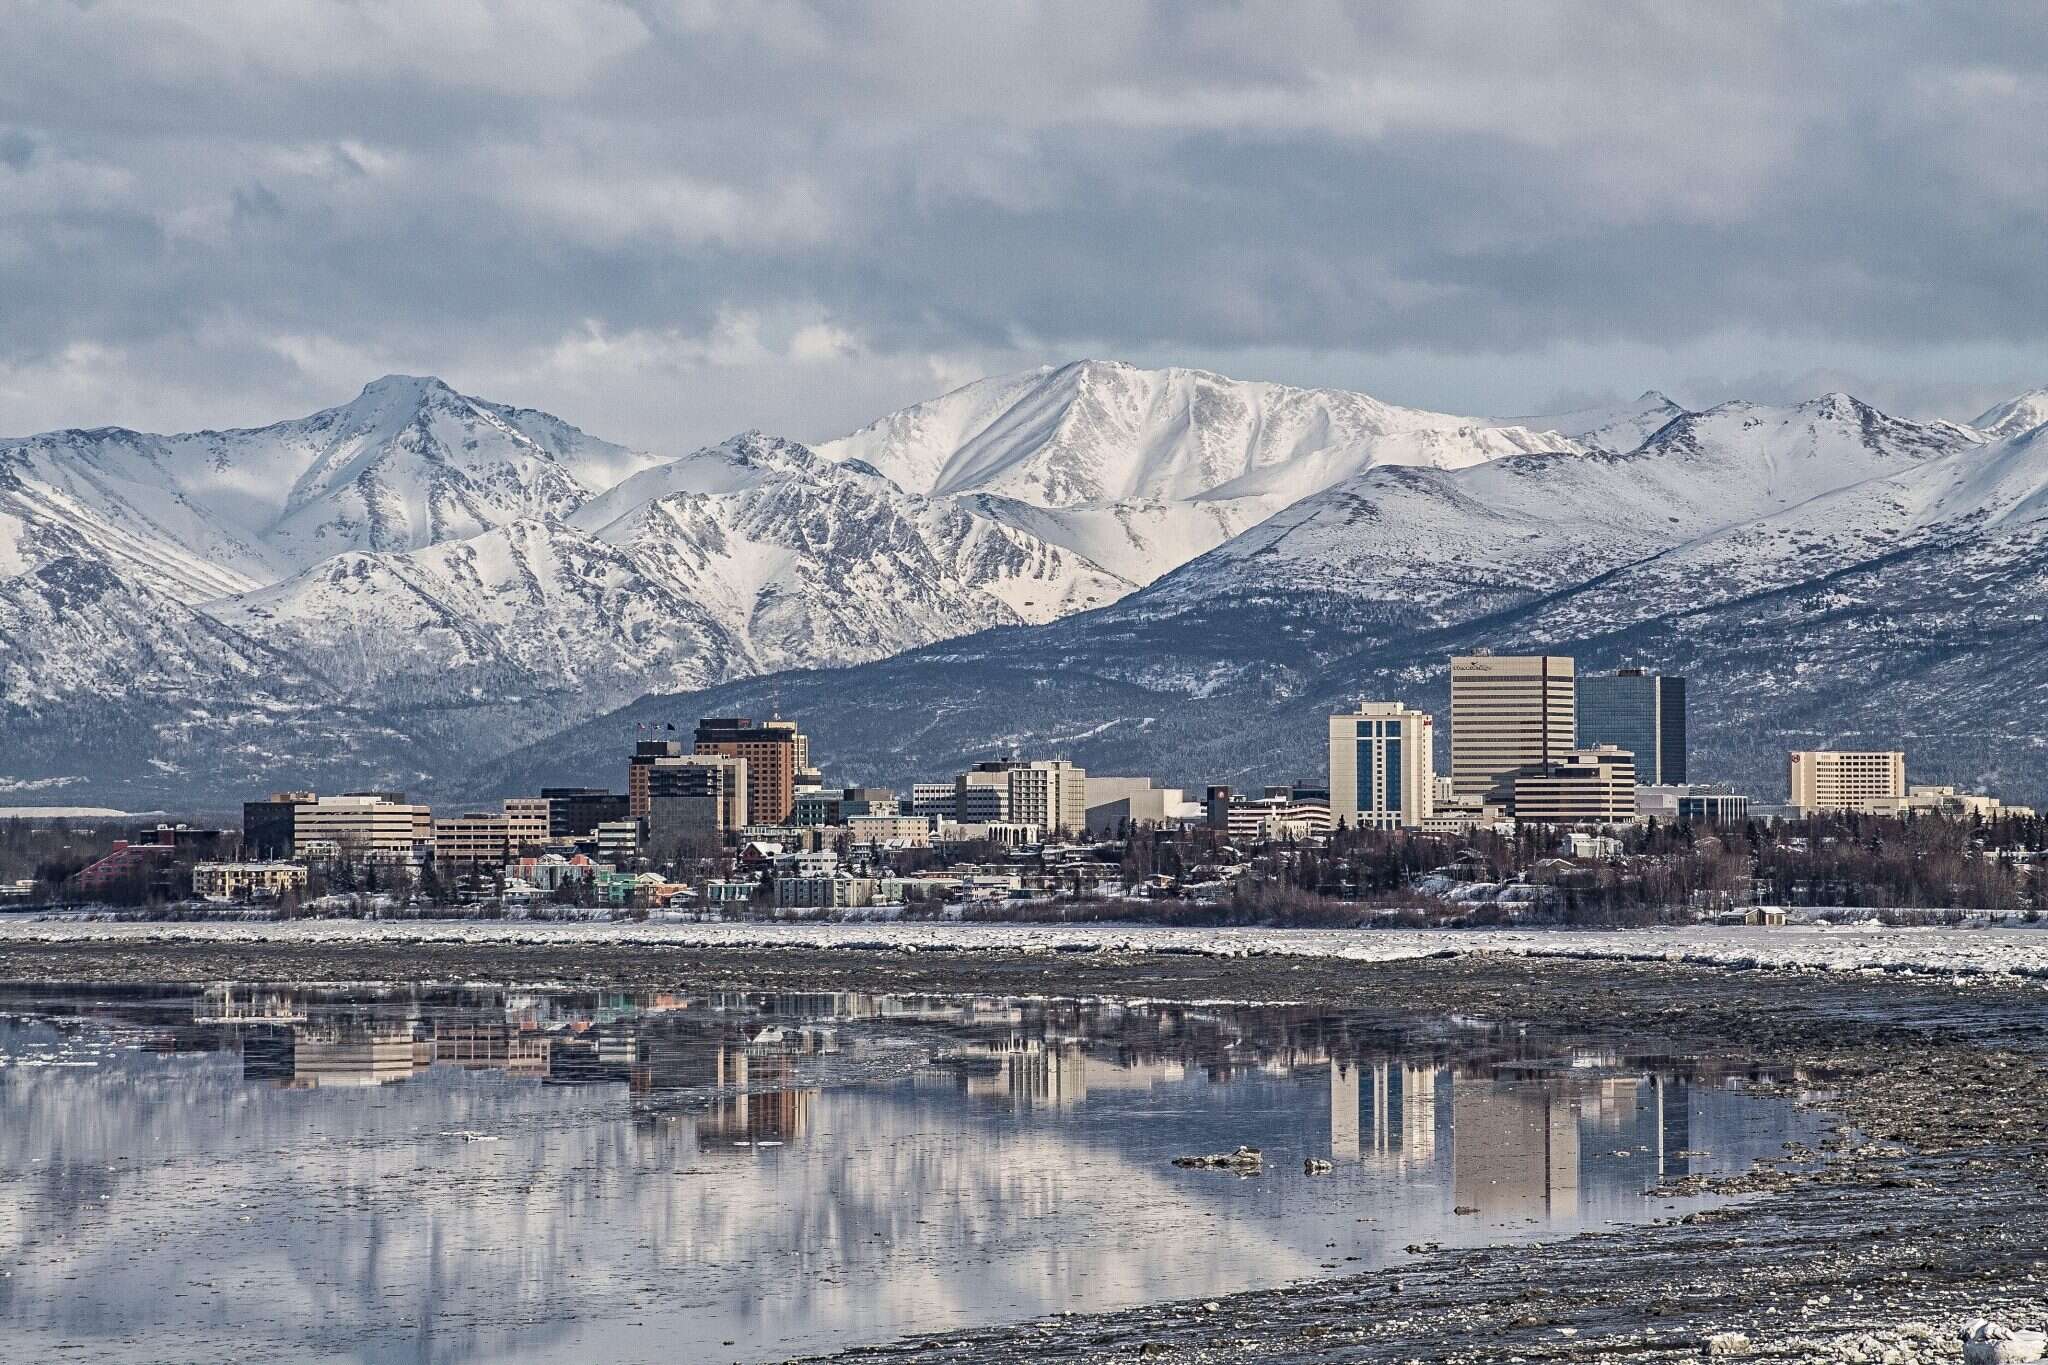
526	821
1051	794
1507	712
361	823
472	837
1837	780
1577	787
1382	767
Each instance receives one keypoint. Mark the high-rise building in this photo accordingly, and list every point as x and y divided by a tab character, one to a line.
1050	793
1577	787
1507	712
1837	780
775	753
982	794
1641	712
1382	766
695	794
644	754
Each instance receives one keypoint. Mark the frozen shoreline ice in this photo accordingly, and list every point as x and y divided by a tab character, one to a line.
2007	952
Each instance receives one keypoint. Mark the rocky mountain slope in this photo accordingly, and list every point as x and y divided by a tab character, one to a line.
1823	574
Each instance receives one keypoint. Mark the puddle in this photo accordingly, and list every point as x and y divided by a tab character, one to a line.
453	1175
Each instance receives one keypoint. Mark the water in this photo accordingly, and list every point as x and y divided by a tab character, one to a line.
543	1175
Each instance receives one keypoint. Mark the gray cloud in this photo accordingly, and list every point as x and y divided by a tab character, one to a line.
667	221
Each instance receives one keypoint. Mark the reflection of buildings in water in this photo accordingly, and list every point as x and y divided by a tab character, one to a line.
677	1061
1401	1113
355	1053
267	1053
778	1115
1671	1106
221	1005
1344	1111
1514	1149
1418	1112
1609	1102
1031	1073
480	1043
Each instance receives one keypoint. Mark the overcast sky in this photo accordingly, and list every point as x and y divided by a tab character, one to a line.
667	222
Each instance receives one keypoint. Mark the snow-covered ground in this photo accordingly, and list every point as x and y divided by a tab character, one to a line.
2015	952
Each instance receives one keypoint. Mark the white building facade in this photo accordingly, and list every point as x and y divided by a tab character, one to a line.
1382	767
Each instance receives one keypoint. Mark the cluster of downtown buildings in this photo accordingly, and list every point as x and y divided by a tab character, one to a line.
1532	742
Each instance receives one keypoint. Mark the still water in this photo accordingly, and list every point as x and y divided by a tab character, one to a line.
470	1175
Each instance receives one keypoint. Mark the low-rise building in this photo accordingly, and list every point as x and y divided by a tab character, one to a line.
1951	801
363	824
1582	787
1691	803
247	881
902	831
1115	803
473	837
829	891
618	840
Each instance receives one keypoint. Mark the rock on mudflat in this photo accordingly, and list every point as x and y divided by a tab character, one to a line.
1244	1160
1994	1343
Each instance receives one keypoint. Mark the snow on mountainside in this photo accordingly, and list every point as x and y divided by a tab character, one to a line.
409	462
417	580
1445	540
1618	428
1824	573
2015	415
812	560
752	555
1141	470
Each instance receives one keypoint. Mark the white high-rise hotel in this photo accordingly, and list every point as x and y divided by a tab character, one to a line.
1382	767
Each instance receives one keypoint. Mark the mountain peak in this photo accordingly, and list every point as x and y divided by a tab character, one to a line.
2015	415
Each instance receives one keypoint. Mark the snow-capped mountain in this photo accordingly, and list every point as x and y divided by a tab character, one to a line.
427	553
744	557
1824	574
416	581
1142	470
2014	415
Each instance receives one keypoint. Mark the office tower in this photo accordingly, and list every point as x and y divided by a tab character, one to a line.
775	753
644	754
1382	766
695	794
1507	712
1830	779
1641	712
